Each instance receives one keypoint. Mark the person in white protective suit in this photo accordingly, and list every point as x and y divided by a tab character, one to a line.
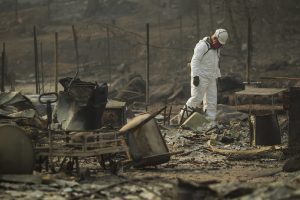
204	73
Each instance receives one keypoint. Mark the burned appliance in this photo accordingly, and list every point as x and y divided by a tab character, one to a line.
81	105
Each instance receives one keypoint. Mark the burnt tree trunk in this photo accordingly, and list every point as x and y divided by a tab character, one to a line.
233	25
92	7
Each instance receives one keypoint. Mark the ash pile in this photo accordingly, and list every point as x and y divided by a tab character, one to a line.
78	144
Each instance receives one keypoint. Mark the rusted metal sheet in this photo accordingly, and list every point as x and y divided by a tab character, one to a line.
81	105
16	151
11	102
264	129
294	117
146	144
18	108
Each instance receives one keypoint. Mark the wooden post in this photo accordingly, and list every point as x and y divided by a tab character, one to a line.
56	61
3	68
249	51
211	16
181	41
235	35
36	61
147	65
16	11
76	48
48	10
197	18
108	52
159	28
42	68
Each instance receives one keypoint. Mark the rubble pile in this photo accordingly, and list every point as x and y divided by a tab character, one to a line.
105	187
191	174
149	159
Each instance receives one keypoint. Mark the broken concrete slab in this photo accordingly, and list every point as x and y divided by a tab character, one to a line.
195	122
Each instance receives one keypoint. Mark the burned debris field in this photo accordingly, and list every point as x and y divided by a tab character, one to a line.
149	99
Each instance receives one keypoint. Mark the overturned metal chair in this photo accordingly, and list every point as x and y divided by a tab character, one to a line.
145	142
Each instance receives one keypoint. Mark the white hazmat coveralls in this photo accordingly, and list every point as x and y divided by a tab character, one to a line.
205	64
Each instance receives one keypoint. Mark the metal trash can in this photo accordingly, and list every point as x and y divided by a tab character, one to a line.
264	129
146	144
292	99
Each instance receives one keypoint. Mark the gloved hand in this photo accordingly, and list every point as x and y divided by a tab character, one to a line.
196	81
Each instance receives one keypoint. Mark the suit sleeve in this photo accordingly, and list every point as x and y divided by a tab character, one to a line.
199	51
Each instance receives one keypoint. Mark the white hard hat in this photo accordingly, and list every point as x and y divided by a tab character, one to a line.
222	35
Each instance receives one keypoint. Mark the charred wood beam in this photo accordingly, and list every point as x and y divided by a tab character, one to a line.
281	78
36	61
3	68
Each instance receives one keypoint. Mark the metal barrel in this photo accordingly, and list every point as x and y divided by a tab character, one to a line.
294	117
16	151
264	129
